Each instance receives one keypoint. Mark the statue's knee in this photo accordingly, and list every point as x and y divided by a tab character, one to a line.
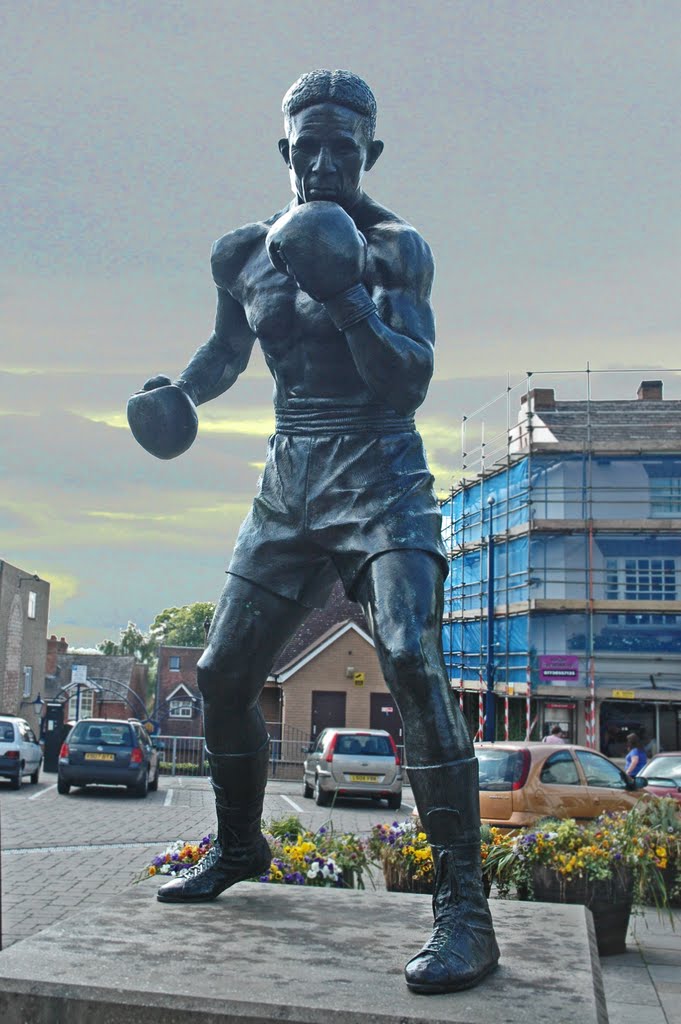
405	655
225	685
209	681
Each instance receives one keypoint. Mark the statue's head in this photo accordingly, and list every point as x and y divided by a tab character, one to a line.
330	121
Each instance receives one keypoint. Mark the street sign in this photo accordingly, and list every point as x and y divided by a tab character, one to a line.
358	678
624	694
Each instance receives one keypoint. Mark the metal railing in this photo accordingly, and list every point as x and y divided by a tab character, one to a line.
186	755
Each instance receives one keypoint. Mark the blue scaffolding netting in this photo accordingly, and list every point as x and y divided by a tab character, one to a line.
559	523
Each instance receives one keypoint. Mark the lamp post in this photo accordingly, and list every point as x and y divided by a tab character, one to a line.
490	709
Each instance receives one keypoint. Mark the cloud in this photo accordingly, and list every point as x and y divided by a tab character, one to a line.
63	586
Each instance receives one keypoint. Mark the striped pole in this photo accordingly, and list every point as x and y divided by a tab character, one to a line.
528	717
481	714
461	694
506	718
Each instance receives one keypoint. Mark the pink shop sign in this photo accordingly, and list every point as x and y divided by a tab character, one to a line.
558	668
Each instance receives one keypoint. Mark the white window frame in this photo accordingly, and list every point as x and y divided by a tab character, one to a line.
171	659
665	497
28	680
642	579
32	604
181	709
87	702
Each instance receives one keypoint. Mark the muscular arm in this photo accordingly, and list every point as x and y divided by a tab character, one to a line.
393	348
216	364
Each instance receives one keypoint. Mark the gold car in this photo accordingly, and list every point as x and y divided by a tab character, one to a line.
523	782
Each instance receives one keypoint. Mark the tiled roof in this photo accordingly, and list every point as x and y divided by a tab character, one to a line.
318	623
118	667
618	423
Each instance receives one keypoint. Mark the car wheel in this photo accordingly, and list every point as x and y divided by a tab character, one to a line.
63	787
142	788
307	790
153	786
15	783
36	776
395	801
321	798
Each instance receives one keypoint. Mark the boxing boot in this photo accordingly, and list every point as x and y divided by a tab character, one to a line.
462	948
240	850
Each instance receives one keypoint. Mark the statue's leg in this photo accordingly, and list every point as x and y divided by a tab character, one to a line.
402	593
249	628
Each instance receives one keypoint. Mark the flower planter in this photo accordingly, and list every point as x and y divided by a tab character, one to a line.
609	900
397	879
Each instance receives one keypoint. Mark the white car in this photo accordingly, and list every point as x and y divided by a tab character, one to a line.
20	752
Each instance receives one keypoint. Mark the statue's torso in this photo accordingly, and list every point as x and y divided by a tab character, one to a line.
307	356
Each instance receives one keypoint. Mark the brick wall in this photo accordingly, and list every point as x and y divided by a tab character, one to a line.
23	629
168	681
328	671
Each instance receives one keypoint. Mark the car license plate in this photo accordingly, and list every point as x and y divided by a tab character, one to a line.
100	757
362	778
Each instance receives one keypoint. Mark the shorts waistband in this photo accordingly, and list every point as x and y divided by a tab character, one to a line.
345	421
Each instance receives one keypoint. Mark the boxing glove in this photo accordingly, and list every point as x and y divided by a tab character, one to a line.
319	246
163	420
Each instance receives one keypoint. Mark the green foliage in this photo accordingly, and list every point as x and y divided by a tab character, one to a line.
183	627
286	828
132	641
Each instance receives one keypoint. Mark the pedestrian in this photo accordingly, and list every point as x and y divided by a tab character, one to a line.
555	736
636	756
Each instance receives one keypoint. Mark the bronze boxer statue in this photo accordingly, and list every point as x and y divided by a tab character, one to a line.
337	290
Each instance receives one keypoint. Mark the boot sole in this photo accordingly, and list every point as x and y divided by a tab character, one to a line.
427	990
190	899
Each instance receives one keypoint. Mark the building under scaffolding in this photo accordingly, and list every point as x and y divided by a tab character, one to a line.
583	501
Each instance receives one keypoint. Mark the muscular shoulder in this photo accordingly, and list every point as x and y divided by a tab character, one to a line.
399	255
231	253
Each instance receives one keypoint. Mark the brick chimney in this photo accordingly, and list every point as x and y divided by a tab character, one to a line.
54	648
650	391
539	399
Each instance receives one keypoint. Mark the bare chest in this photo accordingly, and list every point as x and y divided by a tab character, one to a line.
278	312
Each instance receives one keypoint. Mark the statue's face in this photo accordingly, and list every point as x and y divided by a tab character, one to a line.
327	152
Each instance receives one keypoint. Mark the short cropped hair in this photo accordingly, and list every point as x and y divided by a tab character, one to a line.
323	86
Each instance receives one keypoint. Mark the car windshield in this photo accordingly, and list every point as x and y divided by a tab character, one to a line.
364	746
106	734
499	769
663	768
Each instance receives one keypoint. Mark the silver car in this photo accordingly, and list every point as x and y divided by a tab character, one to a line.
20	752
353	762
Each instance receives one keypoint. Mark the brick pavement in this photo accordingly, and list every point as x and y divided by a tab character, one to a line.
62	854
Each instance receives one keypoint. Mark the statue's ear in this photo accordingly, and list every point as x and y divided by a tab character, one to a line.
374	151
284	150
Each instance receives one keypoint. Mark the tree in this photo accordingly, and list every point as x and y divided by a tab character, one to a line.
132	641
184	627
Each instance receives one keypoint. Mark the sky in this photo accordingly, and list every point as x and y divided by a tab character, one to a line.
535	145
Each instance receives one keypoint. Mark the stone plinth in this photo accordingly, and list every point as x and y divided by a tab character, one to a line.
264	954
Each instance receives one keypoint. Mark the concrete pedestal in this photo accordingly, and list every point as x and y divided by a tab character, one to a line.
264	954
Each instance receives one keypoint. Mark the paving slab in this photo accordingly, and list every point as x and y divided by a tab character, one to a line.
266	954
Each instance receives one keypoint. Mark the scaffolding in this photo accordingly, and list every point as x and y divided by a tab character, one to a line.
587	532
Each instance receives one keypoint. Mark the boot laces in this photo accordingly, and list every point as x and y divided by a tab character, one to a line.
205	864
